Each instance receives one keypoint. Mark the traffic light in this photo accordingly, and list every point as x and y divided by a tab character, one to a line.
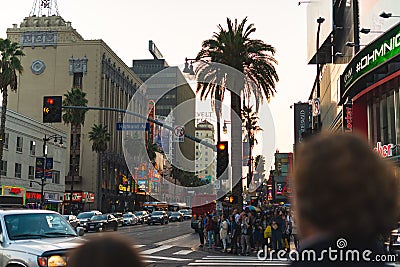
222	158
52	108
232	199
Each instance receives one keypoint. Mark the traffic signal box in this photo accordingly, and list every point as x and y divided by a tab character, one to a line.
52	109
222	158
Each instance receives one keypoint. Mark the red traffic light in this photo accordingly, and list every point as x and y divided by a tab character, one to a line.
221	146
50	101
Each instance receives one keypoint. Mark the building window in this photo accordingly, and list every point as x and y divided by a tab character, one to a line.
3	170
78	77
206	171
56	177
32	148
18	168
31	173
20	143
6	137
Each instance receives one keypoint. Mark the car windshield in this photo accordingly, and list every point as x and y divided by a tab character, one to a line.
85	215
37	225
157	213
128	215
139	213
176	214
98	217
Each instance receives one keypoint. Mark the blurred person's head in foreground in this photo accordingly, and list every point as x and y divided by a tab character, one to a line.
105	251
342	188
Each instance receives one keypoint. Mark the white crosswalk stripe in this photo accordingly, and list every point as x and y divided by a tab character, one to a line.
236	261
150	257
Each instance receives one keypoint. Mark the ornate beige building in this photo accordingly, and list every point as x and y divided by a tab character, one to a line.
57	58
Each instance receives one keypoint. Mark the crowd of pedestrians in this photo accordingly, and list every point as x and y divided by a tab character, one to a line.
248	232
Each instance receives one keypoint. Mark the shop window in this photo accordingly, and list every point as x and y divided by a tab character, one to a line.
391	120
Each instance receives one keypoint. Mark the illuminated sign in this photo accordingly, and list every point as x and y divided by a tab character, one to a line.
347	115
384	150
378	52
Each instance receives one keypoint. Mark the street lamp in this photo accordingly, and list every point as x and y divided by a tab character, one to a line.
387	15
43	179
352	44
320	20
366	31
225	128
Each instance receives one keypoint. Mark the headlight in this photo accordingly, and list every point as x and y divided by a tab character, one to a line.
52	261
101	224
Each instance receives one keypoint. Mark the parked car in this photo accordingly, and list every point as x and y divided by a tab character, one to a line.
102	222
30	237
176	216
158	216
142	216
130	219
84	217
119	217
73	220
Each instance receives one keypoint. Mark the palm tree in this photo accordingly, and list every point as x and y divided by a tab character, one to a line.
253	58
10	65
99	136
250	125
75	117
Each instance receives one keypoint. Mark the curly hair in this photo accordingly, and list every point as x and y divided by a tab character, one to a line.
341	186
105	251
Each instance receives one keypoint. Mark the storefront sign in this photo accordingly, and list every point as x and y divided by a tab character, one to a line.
316	107
347	115
13	191
384	150
301	121
378	52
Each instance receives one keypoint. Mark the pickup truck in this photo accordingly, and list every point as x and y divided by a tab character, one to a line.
36	238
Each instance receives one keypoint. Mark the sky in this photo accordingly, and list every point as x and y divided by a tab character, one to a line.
178	28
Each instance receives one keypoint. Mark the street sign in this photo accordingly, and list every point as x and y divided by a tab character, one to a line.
133	126
179	134
316	107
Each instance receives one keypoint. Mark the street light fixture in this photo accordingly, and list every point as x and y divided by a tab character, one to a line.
320	20
352	44
225	128
366	31
43	179
387	15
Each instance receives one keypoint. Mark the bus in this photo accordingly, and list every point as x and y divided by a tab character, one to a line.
153	206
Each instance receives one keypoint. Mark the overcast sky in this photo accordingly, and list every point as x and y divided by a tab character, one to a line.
178	28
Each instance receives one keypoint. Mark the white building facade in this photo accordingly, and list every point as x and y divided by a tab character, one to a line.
24	143
205	156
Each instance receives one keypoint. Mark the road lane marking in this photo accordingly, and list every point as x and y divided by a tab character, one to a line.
173	239
183	252
166	258
138	246
157	249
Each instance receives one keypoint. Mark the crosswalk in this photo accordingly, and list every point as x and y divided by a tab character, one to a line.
168	253
223	260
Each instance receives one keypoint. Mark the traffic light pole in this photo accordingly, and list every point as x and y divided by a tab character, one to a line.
195	139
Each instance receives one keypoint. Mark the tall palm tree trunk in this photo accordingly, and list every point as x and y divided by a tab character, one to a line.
250	162
73	171
3	124
236	150
100	181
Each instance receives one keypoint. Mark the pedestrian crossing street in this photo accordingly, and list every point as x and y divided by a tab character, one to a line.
224	260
